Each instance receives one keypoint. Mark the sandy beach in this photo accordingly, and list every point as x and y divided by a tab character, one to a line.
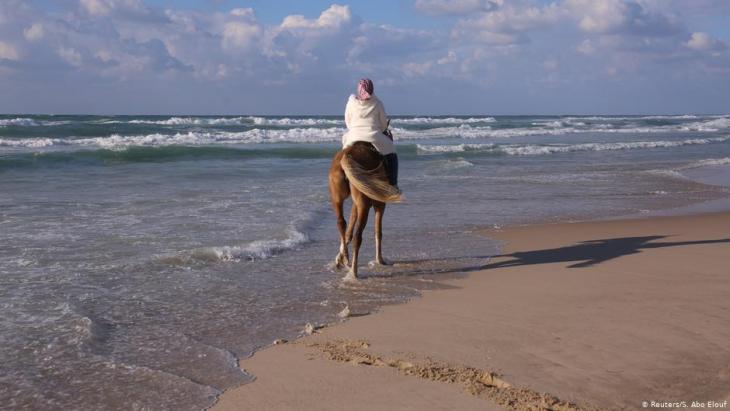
594	315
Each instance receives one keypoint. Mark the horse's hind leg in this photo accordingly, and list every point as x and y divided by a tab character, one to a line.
342	258
379	211
339	191
363	208
351	225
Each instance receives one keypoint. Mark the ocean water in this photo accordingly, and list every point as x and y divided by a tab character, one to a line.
142	256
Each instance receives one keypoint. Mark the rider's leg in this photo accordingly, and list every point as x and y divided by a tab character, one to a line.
391	166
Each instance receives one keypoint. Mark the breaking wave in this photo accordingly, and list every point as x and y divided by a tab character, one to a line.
710	162
18	122
454	148
191	121
237	121
294	121
623	118
535	149
192	138
255	250
286	121
263	130
717	124
29	122
443	120
30	142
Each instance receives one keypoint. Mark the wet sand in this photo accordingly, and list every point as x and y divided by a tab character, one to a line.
595	315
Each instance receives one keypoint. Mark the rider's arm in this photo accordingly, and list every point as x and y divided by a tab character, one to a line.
382	117
348	112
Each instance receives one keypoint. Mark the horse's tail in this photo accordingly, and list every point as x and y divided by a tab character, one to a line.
373	183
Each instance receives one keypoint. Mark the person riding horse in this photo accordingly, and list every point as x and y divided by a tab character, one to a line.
366	169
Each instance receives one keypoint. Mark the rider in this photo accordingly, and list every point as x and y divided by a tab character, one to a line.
366	121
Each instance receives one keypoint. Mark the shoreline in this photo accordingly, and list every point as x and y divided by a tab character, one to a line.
341	345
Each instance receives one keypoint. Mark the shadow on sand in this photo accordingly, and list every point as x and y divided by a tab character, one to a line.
590	253
583	254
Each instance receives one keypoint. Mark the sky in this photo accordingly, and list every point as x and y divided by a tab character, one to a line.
490	57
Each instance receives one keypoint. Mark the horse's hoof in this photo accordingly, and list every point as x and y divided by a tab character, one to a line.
341	262
382	263
350	277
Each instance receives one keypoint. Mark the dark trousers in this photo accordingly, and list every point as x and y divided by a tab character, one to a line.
391	167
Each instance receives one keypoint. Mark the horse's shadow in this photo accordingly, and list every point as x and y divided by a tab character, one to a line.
579	255
593	252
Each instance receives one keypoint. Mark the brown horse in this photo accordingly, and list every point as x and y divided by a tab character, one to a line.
358	171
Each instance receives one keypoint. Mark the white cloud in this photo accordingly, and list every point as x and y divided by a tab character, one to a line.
70	55
240	12
97	7
479	43
449	58
630	17
598	16
8	51
417	69
507	25
104	56
240	29
510	23
704	42
586	47
699	41
458	7
239	34
384	44
34	32
299	45
116	8
332	18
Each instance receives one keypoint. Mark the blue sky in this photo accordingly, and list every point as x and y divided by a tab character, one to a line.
425	56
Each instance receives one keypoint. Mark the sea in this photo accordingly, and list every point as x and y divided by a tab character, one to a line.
141	257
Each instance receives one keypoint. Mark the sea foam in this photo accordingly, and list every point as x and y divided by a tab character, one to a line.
189	121
29	122
717	124
710	162
255	250
286	121
192	138
30	142
18	122
298	121
311	130
443	120
534	149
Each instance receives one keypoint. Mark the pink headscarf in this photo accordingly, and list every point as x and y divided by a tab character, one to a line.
365	89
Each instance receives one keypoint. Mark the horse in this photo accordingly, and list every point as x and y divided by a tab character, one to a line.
358	171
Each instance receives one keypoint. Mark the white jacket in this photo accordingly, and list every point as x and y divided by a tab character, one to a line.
366	121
